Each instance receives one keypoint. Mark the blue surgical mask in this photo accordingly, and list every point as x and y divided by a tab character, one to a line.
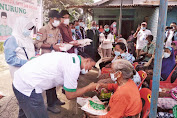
73	30
143	28
117	53
26	32
77	27
123	54
114	25
107	29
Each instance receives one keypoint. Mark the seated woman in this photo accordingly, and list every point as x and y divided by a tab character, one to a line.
126	100
168	63
120	52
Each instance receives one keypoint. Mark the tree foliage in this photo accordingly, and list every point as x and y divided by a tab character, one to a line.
63	4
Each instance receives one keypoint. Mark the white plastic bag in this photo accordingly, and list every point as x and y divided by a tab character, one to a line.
65	46
82	42
94	107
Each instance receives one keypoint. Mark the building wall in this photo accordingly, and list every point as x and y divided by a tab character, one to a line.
172	15
140	14
150	15
153	22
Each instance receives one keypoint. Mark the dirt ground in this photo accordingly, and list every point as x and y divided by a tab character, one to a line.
9	104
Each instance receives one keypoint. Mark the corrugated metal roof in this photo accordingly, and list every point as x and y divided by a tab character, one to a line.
117	6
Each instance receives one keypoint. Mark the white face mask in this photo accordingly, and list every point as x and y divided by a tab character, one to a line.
56	23
66	21
166	55
117	53
143	28
113	78
83	71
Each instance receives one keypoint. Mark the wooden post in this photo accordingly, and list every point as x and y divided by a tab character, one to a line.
120	20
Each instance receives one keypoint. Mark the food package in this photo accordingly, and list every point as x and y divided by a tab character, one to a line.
82	101
105	94
82	42
94	107
65	46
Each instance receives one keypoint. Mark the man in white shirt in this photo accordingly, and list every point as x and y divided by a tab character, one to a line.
141	35
46	72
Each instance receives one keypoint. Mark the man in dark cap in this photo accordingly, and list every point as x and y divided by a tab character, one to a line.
65	29
47	39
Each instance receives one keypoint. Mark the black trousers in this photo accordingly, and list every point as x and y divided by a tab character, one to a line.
51	97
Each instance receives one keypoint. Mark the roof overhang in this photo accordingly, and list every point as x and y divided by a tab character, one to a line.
116	6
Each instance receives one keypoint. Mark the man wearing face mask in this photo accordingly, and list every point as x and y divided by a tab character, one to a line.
37	76
141	34
82	28
92	49
47	39
65	29
49	35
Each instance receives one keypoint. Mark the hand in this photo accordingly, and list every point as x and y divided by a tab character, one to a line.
57	47
75	43
92	86
153	56
106	59
138	29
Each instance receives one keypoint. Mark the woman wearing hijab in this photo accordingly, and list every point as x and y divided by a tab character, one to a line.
113	28
168	63
19	48
106	39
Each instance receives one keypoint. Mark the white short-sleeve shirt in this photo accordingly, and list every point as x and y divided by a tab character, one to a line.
48	71
141	38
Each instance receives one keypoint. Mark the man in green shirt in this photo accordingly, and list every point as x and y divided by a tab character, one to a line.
5	30
148	50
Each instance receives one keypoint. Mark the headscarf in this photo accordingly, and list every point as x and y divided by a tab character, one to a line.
21	24
113	29
167	65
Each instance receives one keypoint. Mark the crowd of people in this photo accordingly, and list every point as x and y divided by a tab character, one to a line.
53	67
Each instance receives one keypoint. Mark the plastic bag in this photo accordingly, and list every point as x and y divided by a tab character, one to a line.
65	46
105	94
82	42
94	107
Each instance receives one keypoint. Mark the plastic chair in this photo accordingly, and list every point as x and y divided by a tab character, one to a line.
143	76
135	65
167	83
145	94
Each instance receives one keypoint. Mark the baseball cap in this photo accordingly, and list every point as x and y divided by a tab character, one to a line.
54	13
